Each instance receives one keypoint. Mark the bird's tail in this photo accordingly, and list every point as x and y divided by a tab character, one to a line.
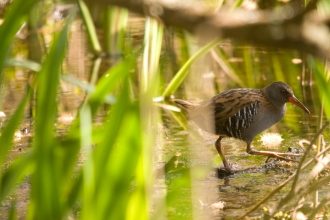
185	105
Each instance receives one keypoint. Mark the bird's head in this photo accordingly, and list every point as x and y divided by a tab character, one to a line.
279	93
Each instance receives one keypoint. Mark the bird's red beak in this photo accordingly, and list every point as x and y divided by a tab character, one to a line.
295	101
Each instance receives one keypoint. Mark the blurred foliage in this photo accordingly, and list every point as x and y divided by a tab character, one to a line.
105	170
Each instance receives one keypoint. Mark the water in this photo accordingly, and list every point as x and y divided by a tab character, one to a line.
236	194
192	154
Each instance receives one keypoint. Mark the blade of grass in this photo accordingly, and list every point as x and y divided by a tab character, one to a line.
13	20
103	171
279	76
237	4
322	78
122	27
91	31
224	63
115	29
110	21
114	120
34	66
109	81
248	66
12	212
123	168
139	201
46	182
182	73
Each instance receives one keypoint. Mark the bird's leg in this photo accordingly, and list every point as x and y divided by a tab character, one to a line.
221	154
269	154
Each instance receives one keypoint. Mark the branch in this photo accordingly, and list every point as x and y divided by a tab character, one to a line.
293	26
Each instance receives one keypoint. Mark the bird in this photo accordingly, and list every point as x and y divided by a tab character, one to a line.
242	113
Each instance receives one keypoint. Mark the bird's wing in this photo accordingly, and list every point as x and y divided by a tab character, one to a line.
229	103
216	111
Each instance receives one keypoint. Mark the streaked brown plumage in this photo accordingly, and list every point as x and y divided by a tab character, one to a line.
242	114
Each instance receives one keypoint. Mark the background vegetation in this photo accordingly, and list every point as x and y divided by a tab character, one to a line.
104	168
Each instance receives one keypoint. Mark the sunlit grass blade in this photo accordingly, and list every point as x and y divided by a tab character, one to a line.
91	31
47	179
140	201
103	170
12	21
85	117
323	7
110	15
237	4
279	75
248	64
151	53
184	46
12	212
114	120
125	160
31	65
122	27
322	76
90	176
115	29
178	116
109	81
182	73
229	69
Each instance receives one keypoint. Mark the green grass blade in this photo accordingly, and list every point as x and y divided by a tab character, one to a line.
31	65
248	66
115	23
122	27
237	4
99	177
279	75
229	69
115	119
123	168
182	73
109	81
91	31
322	82
12	212
13	20
46	182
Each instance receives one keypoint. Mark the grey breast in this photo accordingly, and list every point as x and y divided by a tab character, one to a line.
267	116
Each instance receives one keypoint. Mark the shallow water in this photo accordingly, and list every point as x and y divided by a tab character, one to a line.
192	153
229	198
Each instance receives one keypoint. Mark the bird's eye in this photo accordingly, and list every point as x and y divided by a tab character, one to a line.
283	91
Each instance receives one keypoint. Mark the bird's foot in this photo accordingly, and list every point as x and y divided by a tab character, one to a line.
226	170
222	172
283	156
270	154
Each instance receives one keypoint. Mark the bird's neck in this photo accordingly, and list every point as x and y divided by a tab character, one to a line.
273	101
